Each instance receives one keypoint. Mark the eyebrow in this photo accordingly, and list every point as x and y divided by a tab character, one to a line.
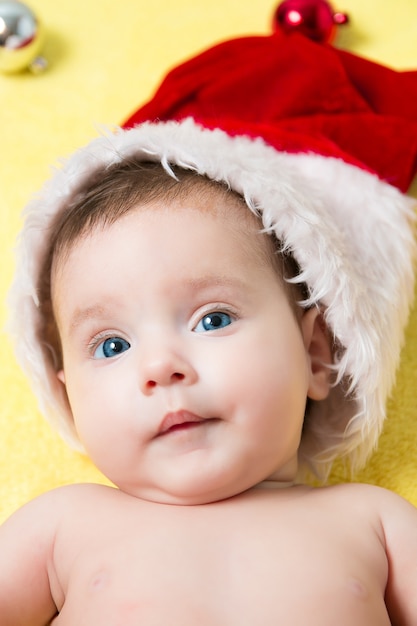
82	315
216	281
99	311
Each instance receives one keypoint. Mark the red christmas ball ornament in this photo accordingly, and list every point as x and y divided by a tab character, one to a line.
314	18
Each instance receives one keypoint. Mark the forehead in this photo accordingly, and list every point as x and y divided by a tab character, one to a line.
201	197
162	251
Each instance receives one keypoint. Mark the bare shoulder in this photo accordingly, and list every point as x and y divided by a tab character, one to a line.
385	509
370	495
395	520
29	587
60	495
385	501
42	515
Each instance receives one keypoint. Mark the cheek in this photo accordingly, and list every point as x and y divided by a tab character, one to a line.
275	392
274	355
92	402
262	369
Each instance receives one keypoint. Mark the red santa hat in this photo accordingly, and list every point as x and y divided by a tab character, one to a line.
323	143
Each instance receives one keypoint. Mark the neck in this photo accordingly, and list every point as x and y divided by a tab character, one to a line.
275	484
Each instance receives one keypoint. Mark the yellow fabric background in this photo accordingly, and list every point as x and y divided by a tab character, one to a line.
106	58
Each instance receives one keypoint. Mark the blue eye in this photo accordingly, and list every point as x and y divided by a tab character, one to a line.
113	346
213	321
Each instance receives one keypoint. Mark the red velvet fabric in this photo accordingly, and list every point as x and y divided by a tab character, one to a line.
299	96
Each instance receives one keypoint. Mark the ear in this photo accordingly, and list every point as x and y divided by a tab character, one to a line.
60	375
318	346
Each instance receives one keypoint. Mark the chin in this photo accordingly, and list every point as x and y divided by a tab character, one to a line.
188	495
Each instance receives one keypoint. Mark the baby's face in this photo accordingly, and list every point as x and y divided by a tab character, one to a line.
186	369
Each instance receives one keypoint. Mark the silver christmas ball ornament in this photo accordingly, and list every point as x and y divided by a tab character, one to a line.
21	38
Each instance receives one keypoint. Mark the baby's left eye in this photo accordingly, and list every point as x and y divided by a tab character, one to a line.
213	321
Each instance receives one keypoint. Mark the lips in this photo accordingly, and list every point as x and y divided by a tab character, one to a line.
178	420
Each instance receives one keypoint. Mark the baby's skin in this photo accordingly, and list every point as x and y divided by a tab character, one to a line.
268	556
187	370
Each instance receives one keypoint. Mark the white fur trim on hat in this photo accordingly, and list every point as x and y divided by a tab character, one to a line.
350	232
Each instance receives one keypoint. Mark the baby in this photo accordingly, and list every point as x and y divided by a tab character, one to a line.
209	317
188	364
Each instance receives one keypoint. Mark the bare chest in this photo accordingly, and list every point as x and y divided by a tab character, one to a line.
222	570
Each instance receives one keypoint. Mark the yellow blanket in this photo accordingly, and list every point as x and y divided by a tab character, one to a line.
105	59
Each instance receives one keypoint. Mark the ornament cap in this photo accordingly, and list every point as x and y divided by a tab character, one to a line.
315	19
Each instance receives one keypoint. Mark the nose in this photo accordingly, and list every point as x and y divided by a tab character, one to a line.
164	367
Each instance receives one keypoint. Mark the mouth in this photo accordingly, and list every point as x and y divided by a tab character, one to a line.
179	420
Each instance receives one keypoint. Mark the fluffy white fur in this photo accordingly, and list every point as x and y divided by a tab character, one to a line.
350	232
